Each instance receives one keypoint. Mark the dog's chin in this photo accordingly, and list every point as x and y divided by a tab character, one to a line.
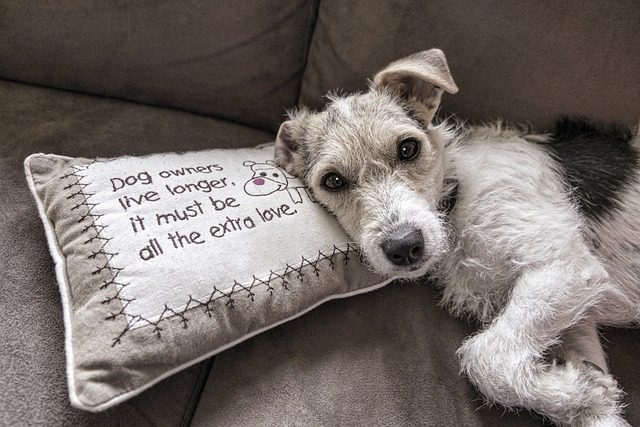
409	272
412	272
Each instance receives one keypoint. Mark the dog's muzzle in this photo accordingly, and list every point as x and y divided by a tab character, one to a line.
404	247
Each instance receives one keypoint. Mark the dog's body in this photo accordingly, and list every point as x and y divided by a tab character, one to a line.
527	259
542	244
517	201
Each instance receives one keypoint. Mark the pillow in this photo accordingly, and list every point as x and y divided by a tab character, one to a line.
165	260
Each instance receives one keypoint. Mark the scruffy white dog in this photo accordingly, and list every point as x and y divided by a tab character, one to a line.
536	236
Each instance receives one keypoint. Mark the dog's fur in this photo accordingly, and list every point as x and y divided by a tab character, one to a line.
542	245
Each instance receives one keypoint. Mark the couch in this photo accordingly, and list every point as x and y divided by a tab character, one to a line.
113	77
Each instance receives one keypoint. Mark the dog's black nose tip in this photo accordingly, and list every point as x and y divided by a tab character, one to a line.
404	247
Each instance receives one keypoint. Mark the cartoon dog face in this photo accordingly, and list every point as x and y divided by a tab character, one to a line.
267	178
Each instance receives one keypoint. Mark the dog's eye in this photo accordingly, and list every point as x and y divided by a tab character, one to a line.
333	181
408	149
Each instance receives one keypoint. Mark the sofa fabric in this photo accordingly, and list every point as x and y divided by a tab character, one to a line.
394	365
247	62
237	60
32	374
522	61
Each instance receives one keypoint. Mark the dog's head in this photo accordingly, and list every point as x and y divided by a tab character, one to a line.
377	163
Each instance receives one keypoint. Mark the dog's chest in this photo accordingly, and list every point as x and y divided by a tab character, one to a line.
511	213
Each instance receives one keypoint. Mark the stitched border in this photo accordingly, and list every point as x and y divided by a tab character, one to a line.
104	264
238	290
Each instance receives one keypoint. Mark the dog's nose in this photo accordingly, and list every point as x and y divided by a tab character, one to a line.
404	247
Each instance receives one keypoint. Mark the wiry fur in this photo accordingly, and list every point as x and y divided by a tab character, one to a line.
516	252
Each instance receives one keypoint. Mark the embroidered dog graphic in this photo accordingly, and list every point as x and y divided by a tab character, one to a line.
268	178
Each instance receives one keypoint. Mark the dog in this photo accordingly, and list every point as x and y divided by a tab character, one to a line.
536	236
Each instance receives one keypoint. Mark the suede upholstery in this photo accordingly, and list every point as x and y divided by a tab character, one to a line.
394	364
522	61
385	358
238	60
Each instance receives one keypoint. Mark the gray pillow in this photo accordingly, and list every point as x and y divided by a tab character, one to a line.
165	260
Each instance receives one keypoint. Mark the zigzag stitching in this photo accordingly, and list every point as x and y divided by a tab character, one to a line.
77	189
237	288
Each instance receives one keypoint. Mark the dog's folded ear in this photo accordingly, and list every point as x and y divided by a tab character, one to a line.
289	141
420	79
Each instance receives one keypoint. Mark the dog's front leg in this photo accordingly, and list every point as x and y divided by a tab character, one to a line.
506	361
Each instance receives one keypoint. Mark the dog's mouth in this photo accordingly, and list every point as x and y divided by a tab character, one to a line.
415	270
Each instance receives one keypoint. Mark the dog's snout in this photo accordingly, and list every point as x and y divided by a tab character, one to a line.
404	247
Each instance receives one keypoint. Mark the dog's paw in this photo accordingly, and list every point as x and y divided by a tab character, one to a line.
599	396
569	391
592	365
605	421
605	383
606	398
602	386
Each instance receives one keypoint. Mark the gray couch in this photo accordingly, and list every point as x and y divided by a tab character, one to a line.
106	78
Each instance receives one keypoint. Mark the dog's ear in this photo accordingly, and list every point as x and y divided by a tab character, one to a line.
289	142
420	79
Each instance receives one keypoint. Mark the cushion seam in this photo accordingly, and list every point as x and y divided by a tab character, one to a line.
313	21
196	392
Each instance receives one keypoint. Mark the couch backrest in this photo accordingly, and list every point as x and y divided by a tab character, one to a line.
523	61
240	60
244	60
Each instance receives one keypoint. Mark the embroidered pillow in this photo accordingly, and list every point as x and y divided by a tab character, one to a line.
168	259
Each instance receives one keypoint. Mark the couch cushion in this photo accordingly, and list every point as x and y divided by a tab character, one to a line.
394	365
32	364
238	60
524	61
